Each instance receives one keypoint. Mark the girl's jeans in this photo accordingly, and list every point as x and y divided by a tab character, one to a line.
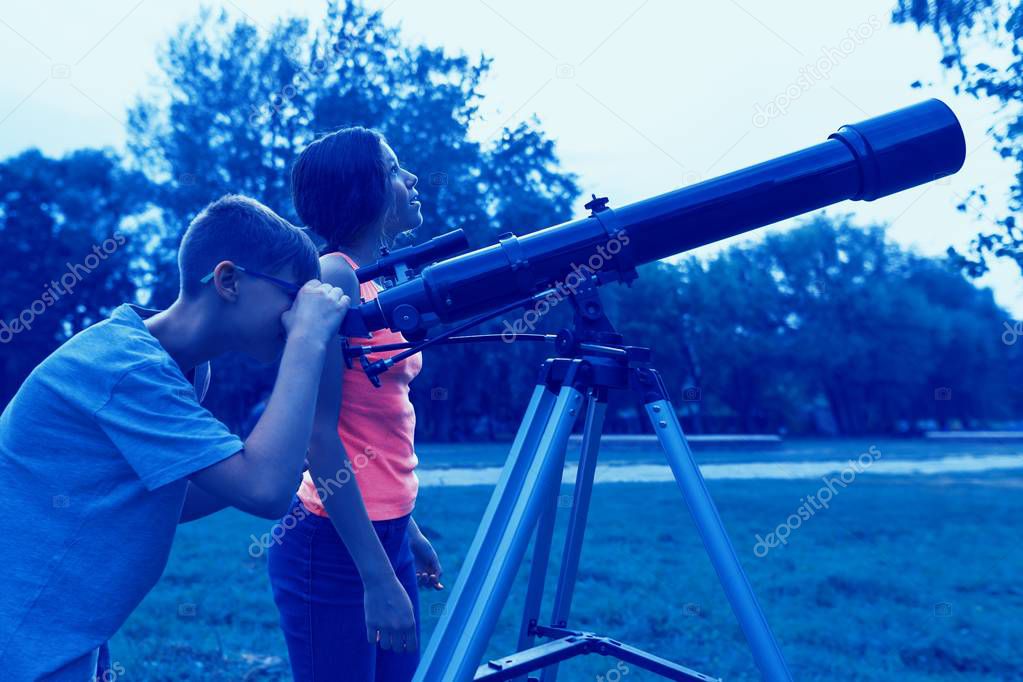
319	594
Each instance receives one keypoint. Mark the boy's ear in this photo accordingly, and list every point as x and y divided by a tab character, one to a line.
226	280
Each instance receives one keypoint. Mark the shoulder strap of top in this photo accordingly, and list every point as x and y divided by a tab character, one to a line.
347	258
373	286
367	289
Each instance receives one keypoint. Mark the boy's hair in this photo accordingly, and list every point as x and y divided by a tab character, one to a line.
339	184
244	231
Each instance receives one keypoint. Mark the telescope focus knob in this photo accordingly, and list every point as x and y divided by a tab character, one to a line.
405	318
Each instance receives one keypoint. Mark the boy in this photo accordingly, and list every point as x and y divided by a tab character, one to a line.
104	448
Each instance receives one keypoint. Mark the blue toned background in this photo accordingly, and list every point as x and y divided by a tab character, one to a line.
863	325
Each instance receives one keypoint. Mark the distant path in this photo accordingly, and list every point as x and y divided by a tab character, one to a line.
658	473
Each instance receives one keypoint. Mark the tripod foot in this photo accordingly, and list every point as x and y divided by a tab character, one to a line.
572	643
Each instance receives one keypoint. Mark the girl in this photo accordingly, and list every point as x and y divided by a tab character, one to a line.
343	617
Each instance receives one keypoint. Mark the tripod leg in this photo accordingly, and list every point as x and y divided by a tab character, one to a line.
497	550
596	407
538	569
712	531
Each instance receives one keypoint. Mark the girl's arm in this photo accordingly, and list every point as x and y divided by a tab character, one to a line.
199	503
388	608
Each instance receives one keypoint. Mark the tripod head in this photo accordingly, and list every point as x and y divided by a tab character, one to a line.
592	334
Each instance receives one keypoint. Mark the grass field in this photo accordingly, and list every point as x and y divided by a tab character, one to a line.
907	578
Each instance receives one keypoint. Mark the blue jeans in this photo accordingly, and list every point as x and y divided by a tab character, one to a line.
319	594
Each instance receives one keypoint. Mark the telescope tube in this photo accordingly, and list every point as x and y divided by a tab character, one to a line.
863	161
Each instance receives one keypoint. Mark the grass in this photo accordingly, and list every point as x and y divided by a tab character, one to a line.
908	578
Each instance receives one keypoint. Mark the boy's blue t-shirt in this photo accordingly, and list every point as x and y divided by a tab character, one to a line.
95	451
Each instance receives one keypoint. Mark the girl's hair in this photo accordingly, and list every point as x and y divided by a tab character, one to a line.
339	184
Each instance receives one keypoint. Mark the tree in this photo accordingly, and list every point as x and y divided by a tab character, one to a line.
827	314
237	108
826	318
994	29
78	233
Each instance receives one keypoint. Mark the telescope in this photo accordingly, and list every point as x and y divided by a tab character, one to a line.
401	264
861	161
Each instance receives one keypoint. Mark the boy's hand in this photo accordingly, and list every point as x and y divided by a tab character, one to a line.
318	311
390	620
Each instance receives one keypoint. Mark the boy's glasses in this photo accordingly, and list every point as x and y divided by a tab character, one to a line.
289	287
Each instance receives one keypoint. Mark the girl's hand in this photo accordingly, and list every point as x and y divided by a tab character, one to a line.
428	570
390	620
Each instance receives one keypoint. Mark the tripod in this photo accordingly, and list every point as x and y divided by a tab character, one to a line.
592	360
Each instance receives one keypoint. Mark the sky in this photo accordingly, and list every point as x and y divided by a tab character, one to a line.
641	96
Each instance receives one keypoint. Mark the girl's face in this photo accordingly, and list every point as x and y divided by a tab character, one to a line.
404	210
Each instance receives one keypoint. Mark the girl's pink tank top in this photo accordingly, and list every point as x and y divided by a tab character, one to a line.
376	426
